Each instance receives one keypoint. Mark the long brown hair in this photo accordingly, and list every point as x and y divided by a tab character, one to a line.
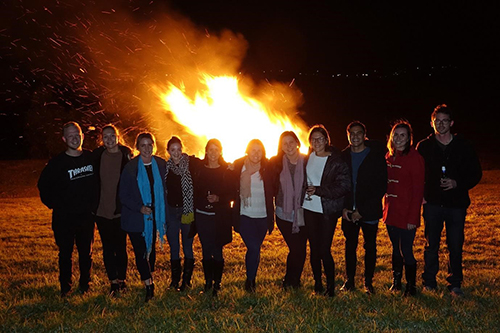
390	145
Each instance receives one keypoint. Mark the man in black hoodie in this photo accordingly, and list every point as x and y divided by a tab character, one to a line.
452	168
66	186
363	206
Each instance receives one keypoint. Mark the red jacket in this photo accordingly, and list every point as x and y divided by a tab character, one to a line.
405	189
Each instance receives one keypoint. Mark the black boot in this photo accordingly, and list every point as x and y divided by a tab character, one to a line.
396	281
411	277
113	291
187	274
218	269
208	271
318	286
250	285
150	292
175	266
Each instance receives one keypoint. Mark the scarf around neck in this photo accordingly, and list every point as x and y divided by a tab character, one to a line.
159	206
246	181
182	169
292	192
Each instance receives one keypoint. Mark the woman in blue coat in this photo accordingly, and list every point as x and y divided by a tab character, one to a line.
142	194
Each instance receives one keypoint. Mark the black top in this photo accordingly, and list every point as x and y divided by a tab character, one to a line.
174	190
208	180
462	165
67	184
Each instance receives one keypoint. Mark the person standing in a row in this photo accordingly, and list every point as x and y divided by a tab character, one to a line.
180	212
109	162
253	214
289	171
67	185
363	205
452	169
212	212
142	194
328	182
402	203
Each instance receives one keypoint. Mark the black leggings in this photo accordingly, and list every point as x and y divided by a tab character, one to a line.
320	229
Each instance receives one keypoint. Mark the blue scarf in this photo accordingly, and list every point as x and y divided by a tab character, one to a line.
145	189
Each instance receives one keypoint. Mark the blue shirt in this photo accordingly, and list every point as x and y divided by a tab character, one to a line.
356	160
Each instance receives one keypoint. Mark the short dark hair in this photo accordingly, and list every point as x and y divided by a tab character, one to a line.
356	123
173	139
400	124
442	108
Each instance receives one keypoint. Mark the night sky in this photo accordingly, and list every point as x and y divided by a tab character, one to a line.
418	55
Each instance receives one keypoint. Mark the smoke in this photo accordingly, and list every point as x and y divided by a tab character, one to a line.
105	62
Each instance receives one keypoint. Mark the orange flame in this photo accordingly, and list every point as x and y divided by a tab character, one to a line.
222	111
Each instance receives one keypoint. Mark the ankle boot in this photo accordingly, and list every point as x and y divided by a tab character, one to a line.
396	281
175	266
250	286
218	269
411	277
187	274
150	292
208	271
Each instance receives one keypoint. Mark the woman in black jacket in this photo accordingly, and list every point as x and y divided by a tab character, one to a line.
212	212
110	159
328	182
253	210
289	170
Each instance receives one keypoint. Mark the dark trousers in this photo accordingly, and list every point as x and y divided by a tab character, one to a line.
205	225
252	231
351	234
296	251
320	230
174	227
402	246
435	217
144	264
68	230
114	247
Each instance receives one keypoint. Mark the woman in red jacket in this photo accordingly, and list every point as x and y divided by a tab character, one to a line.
402	202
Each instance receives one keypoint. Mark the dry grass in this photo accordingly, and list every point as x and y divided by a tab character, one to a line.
29	298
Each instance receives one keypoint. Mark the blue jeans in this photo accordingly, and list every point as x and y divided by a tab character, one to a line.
252	231
174	226
435	217
205	225
402	246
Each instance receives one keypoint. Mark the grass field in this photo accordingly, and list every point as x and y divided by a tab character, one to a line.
29	290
